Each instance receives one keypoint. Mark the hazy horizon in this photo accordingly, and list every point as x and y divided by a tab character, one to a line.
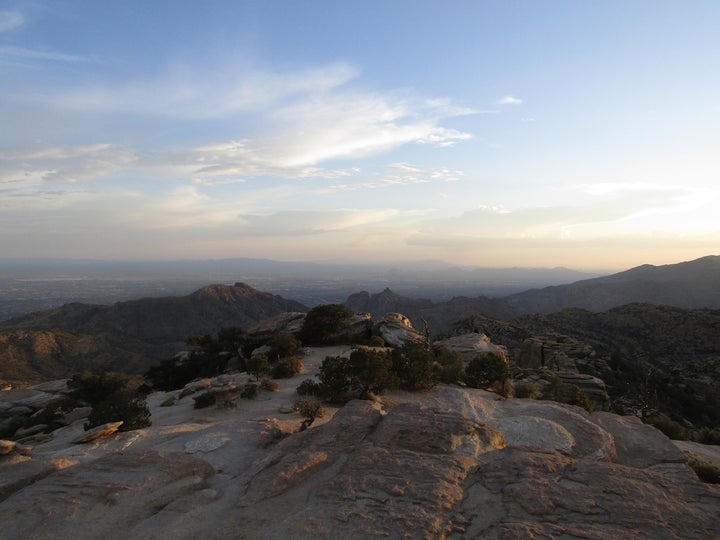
478	133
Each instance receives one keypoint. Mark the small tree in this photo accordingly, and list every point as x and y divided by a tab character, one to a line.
451	365
283	344
335	378
123	405
324	324
94	388
488	370
258	366
370	371
287	367
414	366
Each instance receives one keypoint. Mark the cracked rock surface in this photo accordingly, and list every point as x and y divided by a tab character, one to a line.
447	463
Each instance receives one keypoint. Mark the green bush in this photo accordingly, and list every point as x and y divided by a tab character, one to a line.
258	366
568	393
324	324
669	427
309	387
451	366
376	341
309	407
334	376
709	436
486	371
283	344
204	400
250	391
122	405
370	371
526	390
414	367
94	388
287	367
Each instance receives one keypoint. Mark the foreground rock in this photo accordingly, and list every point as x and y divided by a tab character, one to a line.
450	463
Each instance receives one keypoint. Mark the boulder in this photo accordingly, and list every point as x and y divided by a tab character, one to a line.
98	432
471	345
359	329
396	329
290	323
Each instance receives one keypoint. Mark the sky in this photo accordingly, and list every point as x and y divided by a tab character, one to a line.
583	134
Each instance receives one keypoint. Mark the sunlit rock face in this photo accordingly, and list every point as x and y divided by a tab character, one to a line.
396	329
451	462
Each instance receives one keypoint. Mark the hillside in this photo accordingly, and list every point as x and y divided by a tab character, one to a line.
671	354
448	463
127	335
438	315
693	284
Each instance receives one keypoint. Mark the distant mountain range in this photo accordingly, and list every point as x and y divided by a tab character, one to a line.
135	334
127	335
693	284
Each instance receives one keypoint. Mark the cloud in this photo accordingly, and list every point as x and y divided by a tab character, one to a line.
34	54
310	223
205	93
402	174
509	100
10	20
552	225
62	164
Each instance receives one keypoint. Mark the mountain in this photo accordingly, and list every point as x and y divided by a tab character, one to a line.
692	284
438	315
128	335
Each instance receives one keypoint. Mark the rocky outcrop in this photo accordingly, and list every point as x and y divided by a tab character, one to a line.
396	329
471	346
447	463
98	432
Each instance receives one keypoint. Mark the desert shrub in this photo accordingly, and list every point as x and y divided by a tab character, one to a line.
94	388
451	366
324	324
122	405
287	367
309	387
283	344
250	391
669	427
524	389
335	379
710	474
204	400
370	371
269	385
309	407
376	341
414	367
709	436
488	370
258	366
568	393
171	374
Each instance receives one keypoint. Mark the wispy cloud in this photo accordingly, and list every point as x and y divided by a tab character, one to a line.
205	93
65	164
509	100
10	20
8	51
402	174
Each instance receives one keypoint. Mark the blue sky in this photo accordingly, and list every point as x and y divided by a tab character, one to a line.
539	133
